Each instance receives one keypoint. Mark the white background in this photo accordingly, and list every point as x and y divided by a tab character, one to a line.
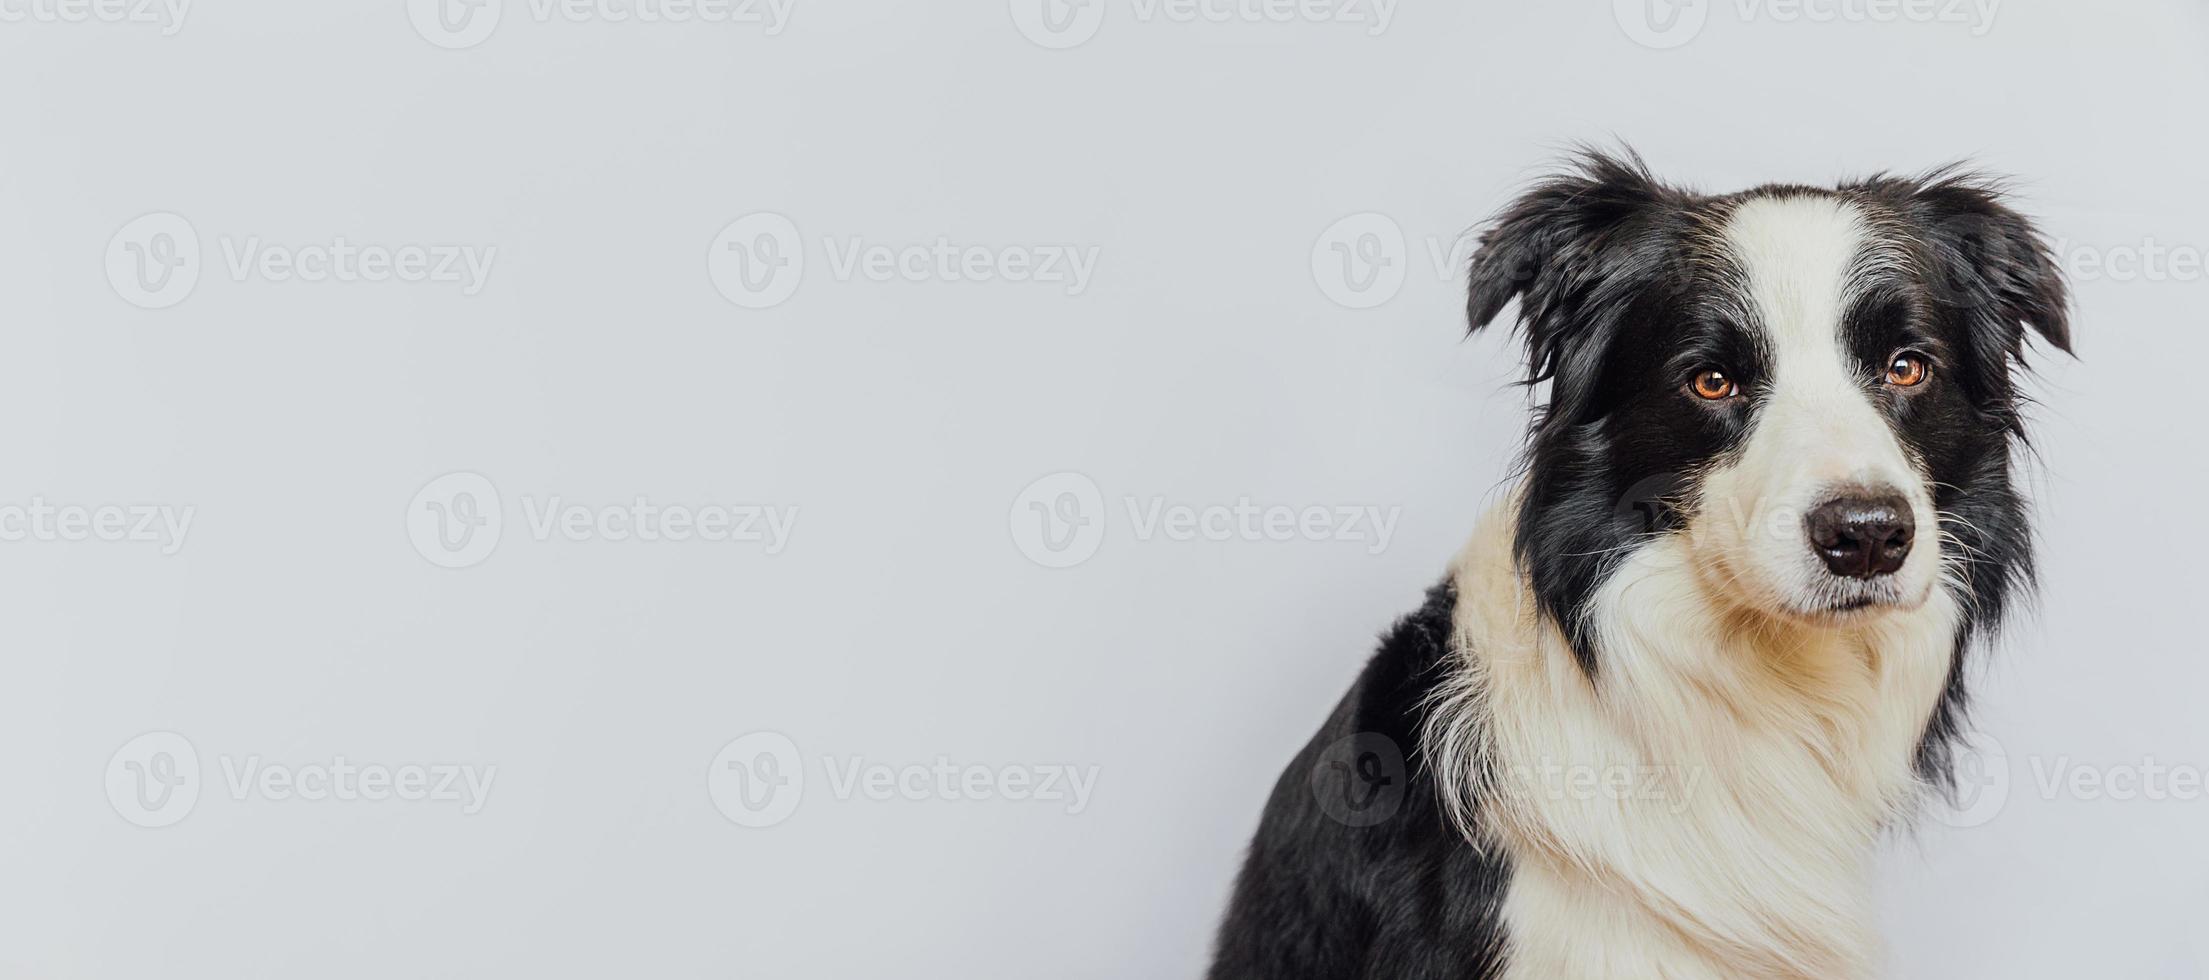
1205	361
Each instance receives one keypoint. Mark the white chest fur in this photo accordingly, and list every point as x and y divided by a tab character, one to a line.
1708	807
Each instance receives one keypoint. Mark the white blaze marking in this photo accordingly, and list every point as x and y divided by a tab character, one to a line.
1818	428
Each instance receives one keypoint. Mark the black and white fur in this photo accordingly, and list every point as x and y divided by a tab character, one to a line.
1646	729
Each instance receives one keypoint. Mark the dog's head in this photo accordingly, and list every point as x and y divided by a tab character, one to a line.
1811	388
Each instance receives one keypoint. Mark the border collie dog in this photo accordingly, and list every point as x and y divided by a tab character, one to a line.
1712	642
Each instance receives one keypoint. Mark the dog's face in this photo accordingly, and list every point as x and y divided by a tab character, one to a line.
1811	388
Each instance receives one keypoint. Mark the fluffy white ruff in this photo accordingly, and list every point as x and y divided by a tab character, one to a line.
1706	807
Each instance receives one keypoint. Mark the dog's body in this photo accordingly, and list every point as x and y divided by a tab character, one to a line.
1655	720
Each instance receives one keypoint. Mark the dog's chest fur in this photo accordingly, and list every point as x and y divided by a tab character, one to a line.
1707	806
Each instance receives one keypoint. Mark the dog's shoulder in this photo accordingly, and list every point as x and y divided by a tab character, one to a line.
1391	694
1354	870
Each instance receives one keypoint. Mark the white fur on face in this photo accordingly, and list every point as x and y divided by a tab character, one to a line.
1817	433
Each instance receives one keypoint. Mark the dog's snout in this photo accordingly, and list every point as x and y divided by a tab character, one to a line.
1862	536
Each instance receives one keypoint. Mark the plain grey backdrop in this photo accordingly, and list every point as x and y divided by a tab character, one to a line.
1037	411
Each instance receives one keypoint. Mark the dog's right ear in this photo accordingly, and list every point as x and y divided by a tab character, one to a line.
1552	248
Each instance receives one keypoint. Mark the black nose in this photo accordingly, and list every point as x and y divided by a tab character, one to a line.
1862	537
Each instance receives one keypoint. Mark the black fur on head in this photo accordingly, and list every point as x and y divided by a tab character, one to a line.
1623	283
1989	275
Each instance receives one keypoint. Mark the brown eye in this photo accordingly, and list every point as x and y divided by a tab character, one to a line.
1907	371
1714	385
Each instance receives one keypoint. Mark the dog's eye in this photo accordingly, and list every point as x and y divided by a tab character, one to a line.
1713	385
1908	371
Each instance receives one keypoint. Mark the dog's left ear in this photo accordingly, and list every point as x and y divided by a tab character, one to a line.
1990	260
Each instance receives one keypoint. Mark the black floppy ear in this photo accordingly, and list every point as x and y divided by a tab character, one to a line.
1553	250
1989	259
